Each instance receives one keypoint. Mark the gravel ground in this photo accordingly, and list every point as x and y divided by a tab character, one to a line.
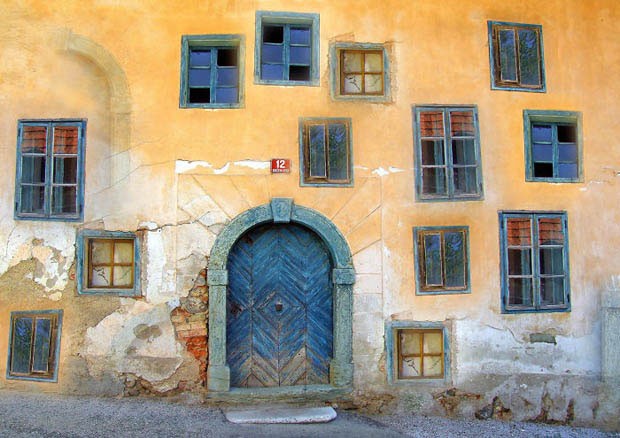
49	415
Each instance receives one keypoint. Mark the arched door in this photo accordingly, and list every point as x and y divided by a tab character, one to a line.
279	308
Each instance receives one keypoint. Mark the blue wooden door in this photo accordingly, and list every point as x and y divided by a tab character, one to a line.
279	308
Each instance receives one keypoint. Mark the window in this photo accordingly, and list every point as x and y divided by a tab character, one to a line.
441	255
553	146
516	53
212	71
34	345
50	170
108	263
447	153
417	351
534	260
287	48
325	152
359	71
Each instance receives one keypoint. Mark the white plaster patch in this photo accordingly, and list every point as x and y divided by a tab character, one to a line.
222	169
368	261
184	166
159	275
380	171
56	296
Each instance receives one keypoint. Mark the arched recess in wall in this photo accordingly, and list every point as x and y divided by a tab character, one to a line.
120	99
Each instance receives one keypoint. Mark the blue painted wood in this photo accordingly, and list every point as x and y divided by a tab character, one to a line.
279	308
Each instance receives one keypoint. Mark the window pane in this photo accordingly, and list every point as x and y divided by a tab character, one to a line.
567	153
42	337
352	62
273	53
317	151
373	83
432	260
300	35
519	262
432	152
433	343
199	58
123	252
519	232
568	171
21	345
567	133
411	367
353	84
465	180
273	34
64	200
550	231
65	140
551	261
226	95
541	133
199	77
543	152
300	55
520	292
299	73
507	55
409	342
528	57
65	170
462	123
431	124
200	95
32	199
464	151
227	76
100	276
338	169
101	251
227	57
455	259
434	181
432	366
272	72
33	169
373	62
123	276
552	291
34	139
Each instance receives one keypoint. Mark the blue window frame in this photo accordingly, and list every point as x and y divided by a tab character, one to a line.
447	151
287	48
325	152
50	170
108	262
516	56
212	70
360	71
417	351
34	345
442	260
553	146
534	261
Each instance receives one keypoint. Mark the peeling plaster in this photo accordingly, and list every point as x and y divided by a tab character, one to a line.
185	166
160	278
380	171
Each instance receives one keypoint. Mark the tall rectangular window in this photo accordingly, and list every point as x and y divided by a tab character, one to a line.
534	260
212	71
50	169
447	153
441	255
553	146
34	342
325	152
516	54
287	48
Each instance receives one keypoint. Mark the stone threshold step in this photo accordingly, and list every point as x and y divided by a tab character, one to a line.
280	415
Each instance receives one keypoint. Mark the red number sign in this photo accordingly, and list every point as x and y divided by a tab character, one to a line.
280	165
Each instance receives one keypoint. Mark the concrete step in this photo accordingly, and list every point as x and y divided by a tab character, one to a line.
281	415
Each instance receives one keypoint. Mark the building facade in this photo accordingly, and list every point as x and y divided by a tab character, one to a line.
408	205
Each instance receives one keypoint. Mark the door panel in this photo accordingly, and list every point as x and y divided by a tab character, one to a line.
279	308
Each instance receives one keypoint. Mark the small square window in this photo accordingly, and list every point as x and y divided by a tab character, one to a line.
34	345
441	255
325	152
287	48
447	152
553	148
359	71
212	71
516	54
108	263
534	262
417	351
50	170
